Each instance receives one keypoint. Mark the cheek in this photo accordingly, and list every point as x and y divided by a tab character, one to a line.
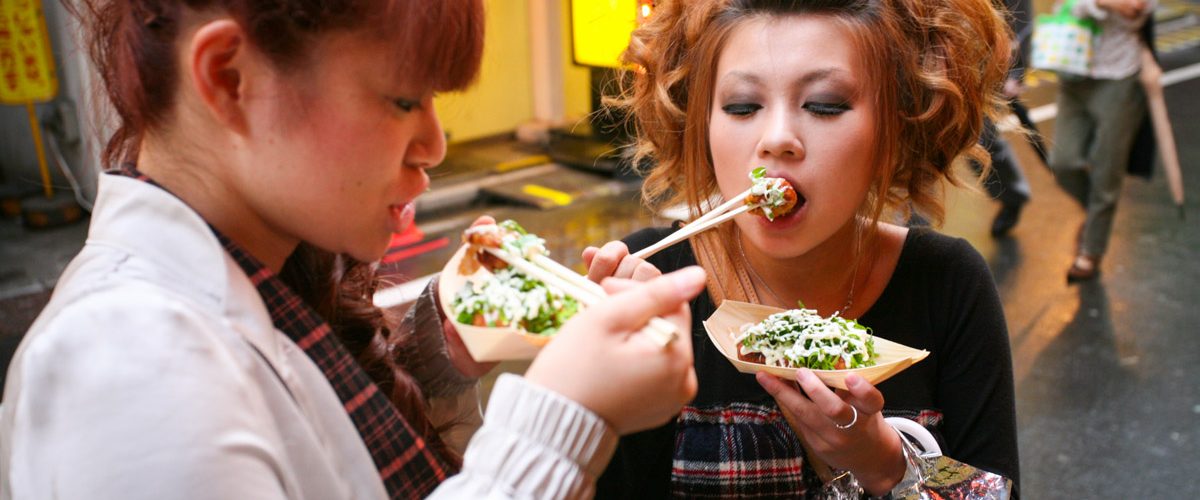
730	153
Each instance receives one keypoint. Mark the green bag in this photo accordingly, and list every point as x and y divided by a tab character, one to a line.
1063	43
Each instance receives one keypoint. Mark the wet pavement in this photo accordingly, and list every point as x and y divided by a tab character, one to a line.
1107	372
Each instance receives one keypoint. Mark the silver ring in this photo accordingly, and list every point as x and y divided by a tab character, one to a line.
853	420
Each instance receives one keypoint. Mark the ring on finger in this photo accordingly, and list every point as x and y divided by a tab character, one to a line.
853	420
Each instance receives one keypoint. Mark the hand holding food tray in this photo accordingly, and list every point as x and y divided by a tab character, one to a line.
724	328
507	298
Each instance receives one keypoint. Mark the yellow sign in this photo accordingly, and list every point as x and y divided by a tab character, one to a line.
26	63
600	30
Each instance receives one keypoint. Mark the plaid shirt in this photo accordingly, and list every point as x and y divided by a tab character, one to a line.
407	466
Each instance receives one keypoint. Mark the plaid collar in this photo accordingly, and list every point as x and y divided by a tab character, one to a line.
407	466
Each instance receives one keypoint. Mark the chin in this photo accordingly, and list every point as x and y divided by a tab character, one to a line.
778	244
368	251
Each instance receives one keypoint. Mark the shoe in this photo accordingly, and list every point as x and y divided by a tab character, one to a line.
1006	219
1084	268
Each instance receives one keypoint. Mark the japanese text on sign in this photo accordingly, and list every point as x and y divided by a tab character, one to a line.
26	63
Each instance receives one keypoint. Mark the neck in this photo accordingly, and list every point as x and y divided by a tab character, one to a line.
206	186
822	278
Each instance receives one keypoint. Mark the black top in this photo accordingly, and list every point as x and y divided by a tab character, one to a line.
940	298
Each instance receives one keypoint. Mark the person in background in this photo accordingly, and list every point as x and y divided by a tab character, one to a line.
863	107
1006	181
215	338
1097	122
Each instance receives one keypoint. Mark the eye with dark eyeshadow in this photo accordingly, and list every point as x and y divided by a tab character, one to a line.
833	108
741	109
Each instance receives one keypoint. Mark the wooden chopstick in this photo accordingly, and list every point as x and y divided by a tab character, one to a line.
661	330
722	208
673	238
687	231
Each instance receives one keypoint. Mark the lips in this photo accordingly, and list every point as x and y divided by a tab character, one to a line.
402	216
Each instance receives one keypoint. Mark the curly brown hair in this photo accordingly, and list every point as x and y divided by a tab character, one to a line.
939	63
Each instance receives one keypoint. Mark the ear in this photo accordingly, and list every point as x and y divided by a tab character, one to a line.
216	64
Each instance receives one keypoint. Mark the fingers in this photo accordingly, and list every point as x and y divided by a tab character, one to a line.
605	261
588	254
863	395
637	269
828	403
822	409
631	308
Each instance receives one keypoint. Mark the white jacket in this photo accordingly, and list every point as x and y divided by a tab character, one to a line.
155	372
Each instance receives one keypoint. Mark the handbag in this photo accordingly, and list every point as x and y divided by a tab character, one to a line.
1062	42
928	475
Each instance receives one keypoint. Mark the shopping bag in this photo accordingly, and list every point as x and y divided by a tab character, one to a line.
928	474
1062	42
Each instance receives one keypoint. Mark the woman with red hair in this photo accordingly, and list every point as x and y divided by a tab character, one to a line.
215	338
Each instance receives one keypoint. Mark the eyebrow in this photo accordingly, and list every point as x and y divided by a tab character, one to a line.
810	77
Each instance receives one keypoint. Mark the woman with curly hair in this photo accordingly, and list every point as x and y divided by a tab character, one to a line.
215	339
866	107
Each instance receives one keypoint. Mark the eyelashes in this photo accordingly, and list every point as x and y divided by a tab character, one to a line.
818	108
740	109
405	105
826	108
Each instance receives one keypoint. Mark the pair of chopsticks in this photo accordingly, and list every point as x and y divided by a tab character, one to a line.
713	218
584	290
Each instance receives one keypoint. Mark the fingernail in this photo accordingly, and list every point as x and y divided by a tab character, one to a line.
853	381
686	280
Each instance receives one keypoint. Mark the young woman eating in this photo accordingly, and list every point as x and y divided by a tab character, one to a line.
864	107
213	339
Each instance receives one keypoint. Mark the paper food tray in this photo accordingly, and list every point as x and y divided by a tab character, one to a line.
728	320
484	343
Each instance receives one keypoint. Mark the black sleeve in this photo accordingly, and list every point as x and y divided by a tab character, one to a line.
975	387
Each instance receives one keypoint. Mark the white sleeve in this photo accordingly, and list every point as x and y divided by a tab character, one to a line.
130	396
534	443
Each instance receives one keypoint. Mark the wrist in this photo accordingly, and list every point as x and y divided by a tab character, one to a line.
888	471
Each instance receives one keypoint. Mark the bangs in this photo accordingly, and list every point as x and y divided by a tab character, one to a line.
436	42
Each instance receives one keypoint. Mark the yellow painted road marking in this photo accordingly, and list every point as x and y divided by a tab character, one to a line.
555	196
519	163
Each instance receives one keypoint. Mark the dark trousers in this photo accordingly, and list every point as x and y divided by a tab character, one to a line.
1006	181
1097	122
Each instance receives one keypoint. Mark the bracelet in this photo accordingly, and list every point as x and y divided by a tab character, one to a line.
843	486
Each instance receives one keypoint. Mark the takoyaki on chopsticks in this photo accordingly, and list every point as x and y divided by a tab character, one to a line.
770	197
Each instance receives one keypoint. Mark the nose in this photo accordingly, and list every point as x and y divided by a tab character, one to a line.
780	137
428	146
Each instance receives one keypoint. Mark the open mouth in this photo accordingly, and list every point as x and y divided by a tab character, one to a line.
778	197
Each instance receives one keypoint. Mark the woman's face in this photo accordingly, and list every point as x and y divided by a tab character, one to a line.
791	96
340	148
